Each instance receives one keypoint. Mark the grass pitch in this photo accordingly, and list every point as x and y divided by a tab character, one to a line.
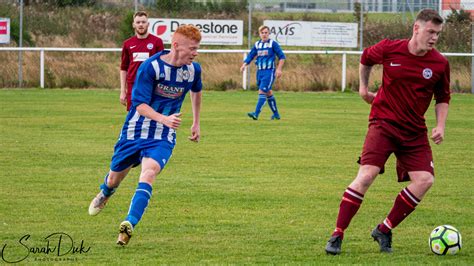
250	192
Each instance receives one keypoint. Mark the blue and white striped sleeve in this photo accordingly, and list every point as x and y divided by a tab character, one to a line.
143	86
279	52
251	55
197	85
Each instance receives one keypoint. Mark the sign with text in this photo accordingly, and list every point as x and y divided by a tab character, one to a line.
448	5
214	32
4	30
306	33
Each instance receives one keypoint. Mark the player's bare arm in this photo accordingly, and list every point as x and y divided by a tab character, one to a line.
364	74
172	121
437	134
123	87
279	70
242	68
196	99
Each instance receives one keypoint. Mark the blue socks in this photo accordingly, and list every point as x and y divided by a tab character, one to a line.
273	105
105	189
139	203
261	101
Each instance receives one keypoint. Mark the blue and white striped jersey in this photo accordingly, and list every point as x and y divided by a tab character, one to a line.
163	87
265	52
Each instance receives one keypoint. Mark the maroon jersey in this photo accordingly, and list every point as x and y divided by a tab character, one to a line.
408	83
135	51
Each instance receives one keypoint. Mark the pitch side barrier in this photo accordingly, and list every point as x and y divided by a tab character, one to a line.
344	54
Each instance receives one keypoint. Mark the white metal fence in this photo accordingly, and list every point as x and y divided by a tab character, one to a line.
335	6
43	50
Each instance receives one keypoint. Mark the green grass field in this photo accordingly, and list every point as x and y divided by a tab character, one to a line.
250	192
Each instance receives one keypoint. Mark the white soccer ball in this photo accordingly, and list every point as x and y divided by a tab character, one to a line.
445	239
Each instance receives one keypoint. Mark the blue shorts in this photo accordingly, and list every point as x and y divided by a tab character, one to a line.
265	79
130	153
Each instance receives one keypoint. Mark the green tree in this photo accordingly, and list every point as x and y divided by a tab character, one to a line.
459	17
357	11
456	35
126	30
226	6
65	3
15	33
174	5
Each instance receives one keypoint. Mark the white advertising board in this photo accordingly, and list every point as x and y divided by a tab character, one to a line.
467	5
4	30
446	5
306	33
214	32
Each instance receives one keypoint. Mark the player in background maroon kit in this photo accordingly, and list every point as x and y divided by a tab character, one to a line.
413	71
135	50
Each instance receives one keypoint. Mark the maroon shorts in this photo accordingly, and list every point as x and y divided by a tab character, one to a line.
413	152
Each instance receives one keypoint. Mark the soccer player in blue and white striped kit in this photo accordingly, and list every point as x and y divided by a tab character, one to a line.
149	133
265	50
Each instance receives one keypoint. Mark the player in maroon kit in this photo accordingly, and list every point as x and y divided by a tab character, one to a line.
135	50
413	71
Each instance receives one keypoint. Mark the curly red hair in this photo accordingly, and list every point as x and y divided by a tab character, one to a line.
189	31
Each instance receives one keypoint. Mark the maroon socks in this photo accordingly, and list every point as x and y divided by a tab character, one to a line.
405	203
349	206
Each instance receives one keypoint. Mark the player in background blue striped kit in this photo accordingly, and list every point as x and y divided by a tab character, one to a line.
148	135
265	50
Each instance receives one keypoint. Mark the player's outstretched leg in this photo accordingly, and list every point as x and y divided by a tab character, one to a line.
125	233
98	203
273	106
137	207
258	108
384	239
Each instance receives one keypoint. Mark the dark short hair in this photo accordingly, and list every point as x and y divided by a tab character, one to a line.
429	15
140	14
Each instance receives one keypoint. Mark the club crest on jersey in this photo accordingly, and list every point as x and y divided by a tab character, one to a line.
149	46
185	75
427	73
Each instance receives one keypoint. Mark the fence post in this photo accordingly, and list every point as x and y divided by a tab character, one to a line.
42	68
244	75
343	83
472	59
20	44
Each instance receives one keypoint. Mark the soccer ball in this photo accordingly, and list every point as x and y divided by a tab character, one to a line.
445	239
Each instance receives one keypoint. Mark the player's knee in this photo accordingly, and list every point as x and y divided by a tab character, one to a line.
363	181
425	180
149	175
150	172
428	180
